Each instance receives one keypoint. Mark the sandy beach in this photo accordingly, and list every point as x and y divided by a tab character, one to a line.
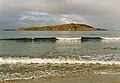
70	73
103	78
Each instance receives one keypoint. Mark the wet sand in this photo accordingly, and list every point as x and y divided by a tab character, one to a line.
66	73
103	78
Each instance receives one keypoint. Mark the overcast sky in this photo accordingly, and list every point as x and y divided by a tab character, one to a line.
25	13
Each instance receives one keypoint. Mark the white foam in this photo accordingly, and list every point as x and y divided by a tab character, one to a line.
68	39
53	61
110	38
106	72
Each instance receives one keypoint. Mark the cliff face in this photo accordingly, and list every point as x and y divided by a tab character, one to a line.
62	27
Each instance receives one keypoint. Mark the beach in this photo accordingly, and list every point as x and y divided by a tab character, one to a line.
59	41
67	73
103	78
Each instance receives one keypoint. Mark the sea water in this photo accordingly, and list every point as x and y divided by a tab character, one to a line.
24	54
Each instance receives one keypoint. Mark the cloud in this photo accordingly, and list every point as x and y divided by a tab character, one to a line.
31	15
37	13
65	18
18	13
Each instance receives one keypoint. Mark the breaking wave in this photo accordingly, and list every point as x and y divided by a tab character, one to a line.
26	60
110	38
65	39
29	68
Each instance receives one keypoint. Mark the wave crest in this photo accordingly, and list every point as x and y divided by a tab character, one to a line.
53	61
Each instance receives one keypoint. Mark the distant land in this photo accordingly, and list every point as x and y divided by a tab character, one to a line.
61	27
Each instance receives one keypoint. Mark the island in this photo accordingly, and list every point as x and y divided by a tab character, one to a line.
60	27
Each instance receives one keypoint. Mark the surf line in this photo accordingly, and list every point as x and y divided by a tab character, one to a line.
82	38
66	38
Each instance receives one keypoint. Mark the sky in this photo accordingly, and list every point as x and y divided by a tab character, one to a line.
25	13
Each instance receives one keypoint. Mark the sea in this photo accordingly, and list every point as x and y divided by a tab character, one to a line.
34	54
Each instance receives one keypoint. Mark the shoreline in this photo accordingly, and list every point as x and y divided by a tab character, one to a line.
96	78
33	72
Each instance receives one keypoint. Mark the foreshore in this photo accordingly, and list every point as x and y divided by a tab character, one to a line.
67	73
98	78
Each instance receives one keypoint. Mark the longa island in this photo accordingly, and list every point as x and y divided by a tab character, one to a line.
60	27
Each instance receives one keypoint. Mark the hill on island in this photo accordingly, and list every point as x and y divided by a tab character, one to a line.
61	27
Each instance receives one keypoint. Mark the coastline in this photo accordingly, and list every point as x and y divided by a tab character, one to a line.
68	73
96	78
